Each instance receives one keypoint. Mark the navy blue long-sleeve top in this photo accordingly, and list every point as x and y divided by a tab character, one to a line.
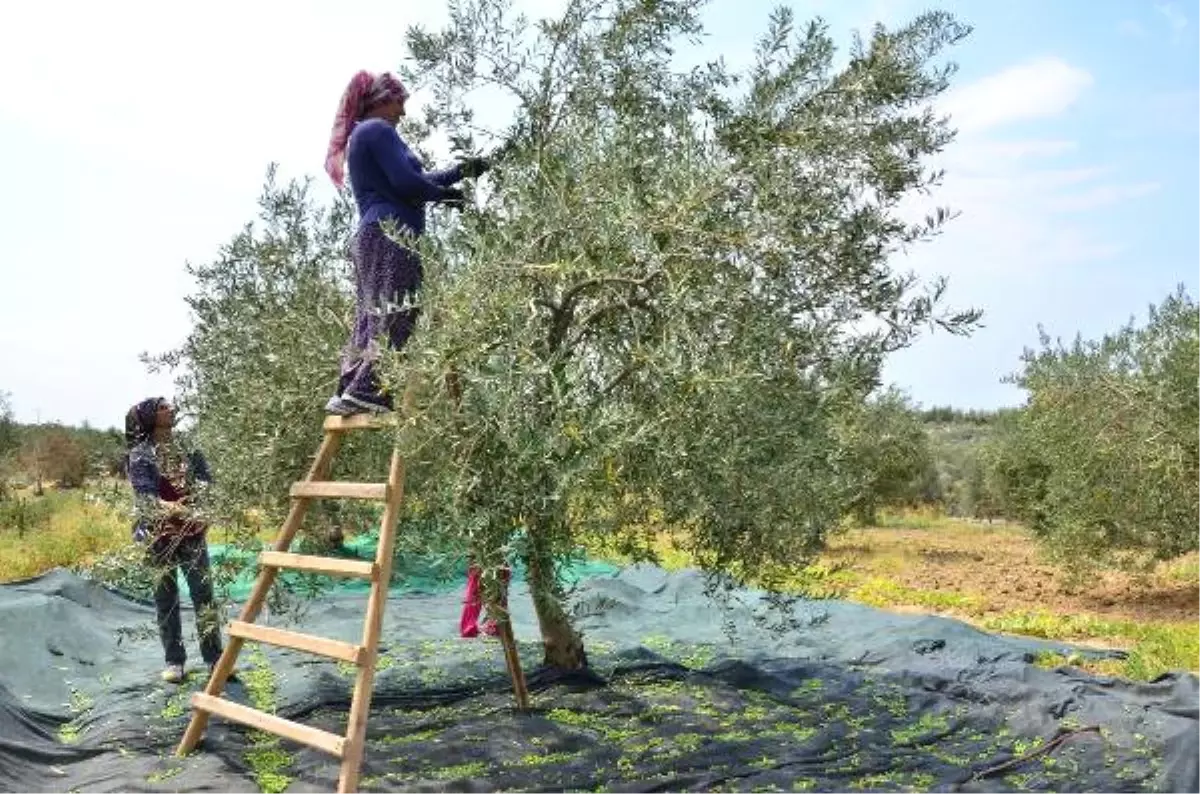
388	179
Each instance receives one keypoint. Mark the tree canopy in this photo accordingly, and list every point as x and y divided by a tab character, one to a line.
678	285
888	446
1104	461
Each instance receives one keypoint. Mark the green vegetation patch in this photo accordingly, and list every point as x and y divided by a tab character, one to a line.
267	761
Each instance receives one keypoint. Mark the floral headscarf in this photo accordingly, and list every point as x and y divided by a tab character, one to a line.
365	92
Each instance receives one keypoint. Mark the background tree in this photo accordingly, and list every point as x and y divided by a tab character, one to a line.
105	449
9	442
963	444
1105	461
886	442
9	437
53	452
1014	470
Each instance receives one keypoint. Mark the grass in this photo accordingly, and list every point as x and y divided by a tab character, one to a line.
73	529
266	759
80	705
1152	648
1047	607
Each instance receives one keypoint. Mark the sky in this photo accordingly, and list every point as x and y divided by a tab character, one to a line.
137	139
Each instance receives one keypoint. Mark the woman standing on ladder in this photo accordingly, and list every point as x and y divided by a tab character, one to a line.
389	184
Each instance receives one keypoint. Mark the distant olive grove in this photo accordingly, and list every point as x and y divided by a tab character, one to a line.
1100	460
38	455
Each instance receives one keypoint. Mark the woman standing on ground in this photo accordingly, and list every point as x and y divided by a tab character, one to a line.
389	184
165	484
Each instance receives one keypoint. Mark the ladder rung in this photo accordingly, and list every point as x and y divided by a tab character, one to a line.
340	490
359	422
323	646
333	566
236	712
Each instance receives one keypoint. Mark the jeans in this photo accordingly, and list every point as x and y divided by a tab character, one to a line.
189	553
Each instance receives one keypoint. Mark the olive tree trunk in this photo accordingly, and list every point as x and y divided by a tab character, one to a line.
563	645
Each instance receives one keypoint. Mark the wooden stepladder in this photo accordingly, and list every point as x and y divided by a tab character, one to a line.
317	485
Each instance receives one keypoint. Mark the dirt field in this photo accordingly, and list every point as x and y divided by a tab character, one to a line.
1001	568
994	577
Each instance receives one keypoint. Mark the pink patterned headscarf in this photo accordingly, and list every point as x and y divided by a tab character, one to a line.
365	92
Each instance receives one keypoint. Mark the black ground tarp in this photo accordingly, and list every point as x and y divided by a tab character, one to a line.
853	699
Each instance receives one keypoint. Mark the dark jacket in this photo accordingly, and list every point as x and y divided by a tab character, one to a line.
150	485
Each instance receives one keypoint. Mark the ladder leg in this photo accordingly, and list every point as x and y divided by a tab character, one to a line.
258	596
360	704
512	660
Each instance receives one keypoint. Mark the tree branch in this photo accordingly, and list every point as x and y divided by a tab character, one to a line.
607	308
577	290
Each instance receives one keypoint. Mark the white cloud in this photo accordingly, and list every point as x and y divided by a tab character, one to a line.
1012	151
1102	196
1036	89
1020	197
214	93
153	126
991	178
889	13
1160	113
1025	195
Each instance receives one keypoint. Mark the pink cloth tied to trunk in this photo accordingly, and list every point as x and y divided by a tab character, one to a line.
473	603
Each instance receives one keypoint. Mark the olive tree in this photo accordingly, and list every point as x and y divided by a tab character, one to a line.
676	285
673	290
1104	460
1014	470
889	449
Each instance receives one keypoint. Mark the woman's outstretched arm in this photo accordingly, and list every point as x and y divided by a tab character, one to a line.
446	177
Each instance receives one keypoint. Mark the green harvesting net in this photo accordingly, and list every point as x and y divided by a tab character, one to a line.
429	574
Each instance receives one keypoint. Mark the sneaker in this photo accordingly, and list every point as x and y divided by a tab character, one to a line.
173	674
341	407
368	403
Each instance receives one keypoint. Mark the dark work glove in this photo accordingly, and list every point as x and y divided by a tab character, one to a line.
454	198
473	167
